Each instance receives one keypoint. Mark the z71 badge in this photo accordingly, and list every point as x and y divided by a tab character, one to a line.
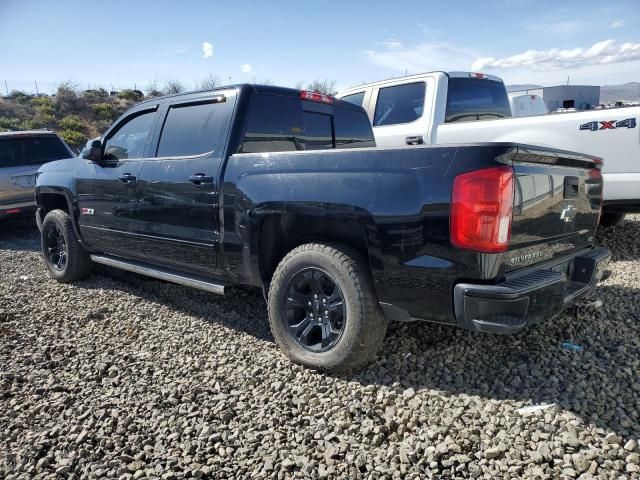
609	124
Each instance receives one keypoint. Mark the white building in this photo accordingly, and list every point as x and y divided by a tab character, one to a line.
580	97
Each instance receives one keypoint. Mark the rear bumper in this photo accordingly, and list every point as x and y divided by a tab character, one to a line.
530	296
621	187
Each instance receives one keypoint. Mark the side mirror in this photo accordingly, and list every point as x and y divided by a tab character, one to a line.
92	150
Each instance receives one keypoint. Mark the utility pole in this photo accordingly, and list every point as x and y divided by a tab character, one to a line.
36	83
6	87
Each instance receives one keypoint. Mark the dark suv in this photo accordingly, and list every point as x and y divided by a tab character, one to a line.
21	154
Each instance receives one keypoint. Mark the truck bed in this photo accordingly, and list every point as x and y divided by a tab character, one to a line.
611	134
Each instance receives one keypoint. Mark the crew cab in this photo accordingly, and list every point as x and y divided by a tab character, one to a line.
443	108
284	190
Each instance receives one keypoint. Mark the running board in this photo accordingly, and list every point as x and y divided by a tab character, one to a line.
160	273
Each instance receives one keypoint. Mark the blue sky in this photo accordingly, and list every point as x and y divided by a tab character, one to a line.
122	43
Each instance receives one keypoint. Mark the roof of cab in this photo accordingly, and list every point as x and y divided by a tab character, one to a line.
416	76
253	88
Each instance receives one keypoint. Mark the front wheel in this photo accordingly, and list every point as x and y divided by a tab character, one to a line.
323	309
65	258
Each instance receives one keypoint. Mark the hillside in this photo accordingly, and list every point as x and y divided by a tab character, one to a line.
76	116
629	92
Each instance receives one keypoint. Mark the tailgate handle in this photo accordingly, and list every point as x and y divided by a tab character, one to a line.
417	140
571	187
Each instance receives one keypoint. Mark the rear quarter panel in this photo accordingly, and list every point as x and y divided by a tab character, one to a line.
400	196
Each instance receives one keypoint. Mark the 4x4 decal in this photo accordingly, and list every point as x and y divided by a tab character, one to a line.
609	124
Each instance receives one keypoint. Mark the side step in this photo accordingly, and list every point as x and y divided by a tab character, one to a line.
194	281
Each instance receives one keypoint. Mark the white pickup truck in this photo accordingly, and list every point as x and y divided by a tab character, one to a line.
442	108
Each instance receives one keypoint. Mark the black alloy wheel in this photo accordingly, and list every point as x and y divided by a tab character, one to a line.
314	310
55	247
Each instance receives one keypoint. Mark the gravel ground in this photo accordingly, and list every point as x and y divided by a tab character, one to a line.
120	376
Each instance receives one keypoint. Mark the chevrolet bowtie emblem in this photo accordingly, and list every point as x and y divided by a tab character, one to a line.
568	213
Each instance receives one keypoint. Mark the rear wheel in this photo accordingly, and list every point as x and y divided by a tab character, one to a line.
323	310
64	256
610	219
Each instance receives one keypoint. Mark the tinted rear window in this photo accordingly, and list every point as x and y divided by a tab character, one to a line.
318	134
15	152
278	124
190	129
353	129
476	99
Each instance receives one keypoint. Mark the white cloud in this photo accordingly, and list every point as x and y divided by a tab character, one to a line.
602	53
246	68
207	50
422	57
617	24
392	44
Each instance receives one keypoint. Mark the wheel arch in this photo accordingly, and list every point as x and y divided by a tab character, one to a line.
50	198
279	233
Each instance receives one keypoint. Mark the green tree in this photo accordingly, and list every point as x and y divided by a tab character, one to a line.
105	111
72	122
131	95
73	138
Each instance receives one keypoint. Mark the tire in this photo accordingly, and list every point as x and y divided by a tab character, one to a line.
314	268
65	258
610	219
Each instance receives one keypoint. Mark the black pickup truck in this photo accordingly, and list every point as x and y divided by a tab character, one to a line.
284	190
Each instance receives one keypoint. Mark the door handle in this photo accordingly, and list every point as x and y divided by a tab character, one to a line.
417	140
127	178
200	178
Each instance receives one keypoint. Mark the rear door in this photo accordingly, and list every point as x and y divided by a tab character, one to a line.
178	188
107	190
20	157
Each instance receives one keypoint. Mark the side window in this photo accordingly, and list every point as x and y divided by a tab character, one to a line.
129	140
278	124
356	98
353	129
273	125
190	129
399	104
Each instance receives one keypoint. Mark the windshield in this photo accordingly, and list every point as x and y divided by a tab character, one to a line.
19	151
471	99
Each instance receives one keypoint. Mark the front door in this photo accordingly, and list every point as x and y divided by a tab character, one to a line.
178	189
107	189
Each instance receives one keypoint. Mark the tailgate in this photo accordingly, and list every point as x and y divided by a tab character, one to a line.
557	201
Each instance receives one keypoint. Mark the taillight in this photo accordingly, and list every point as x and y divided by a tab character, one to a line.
316	97
481	210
